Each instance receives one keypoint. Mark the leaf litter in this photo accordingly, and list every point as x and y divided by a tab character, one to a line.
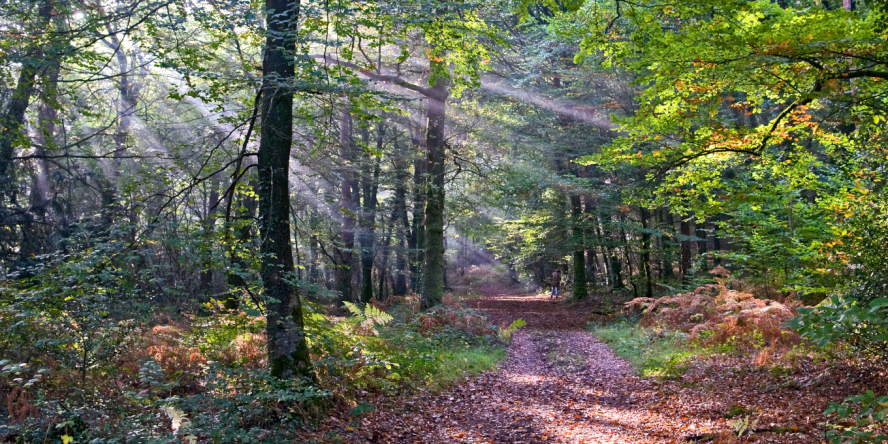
561	385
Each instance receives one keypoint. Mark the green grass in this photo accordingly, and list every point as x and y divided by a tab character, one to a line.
665	356
460	364
437	361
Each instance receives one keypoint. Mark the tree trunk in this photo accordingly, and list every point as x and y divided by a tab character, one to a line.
347	207
628	253
287	348
599	234
716	241
700	232
11	124
369	188
667	243
416	241
434	269
685	243
616	268
400	223
125	105
580	289
381	293
34	235
646	254
209	278
589	230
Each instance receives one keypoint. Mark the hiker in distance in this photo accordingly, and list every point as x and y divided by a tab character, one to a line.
556	284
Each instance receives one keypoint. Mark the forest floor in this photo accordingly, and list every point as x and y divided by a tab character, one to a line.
561	385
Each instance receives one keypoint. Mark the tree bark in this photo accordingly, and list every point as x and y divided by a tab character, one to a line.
35	229
347	207
700	232
288	354
685	243
369	188
616	268
627	249
646	254
434	269
589	230
667	243
599	234
580	288
13	120
416	241
400	223
716	241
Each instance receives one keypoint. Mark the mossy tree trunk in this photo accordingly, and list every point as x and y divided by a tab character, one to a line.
347	207
399	220
416	241
287	348
433	272
666	243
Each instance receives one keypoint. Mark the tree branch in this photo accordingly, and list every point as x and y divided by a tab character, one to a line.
394	80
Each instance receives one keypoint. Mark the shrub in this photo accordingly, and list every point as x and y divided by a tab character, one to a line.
714	315
860	325
860	419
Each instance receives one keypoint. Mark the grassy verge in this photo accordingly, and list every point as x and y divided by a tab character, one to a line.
435	361
660	354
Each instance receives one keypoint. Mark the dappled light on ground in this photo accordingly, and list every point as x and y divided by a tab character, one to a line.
561	385
558	385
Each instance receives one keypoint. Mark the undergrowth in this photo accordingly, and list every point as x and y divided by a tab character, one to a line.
204	378
653	354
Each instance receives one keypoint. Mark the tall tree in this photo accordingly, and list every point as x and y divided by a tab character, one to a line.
348	189
37	59
287	346
434	269
580	289
369	190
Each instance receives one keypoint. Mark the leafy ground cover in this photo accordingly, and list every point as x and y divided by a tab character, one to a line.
202	378
563	384
664	354
733	354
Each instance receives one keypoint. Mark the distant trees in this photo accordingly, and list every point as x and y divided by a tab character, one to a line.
719	154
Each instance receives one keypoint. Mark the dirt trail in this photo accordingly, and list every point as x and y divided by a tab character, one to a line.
559	385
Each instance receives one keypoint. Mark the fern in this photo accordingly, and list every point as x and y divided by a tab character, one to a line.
178	418
376	316
369	317
354	309
742	425
506	333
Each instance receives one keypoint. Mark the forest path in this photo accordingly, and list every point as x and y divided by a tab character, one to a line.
559	385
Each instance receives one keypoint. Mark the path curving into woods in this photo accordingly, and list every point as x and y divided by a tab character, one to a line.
558	385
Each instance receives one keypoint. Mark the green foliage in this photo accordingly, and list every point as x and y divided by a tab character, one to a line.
849	321
506	333
735	411
369	317
860	419
664	355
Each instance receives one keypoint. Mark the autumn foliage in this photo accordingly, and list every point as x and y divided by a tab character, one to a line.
718	314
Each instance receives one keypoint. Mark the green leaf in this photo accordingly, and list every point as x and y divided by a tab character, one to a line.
878	303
